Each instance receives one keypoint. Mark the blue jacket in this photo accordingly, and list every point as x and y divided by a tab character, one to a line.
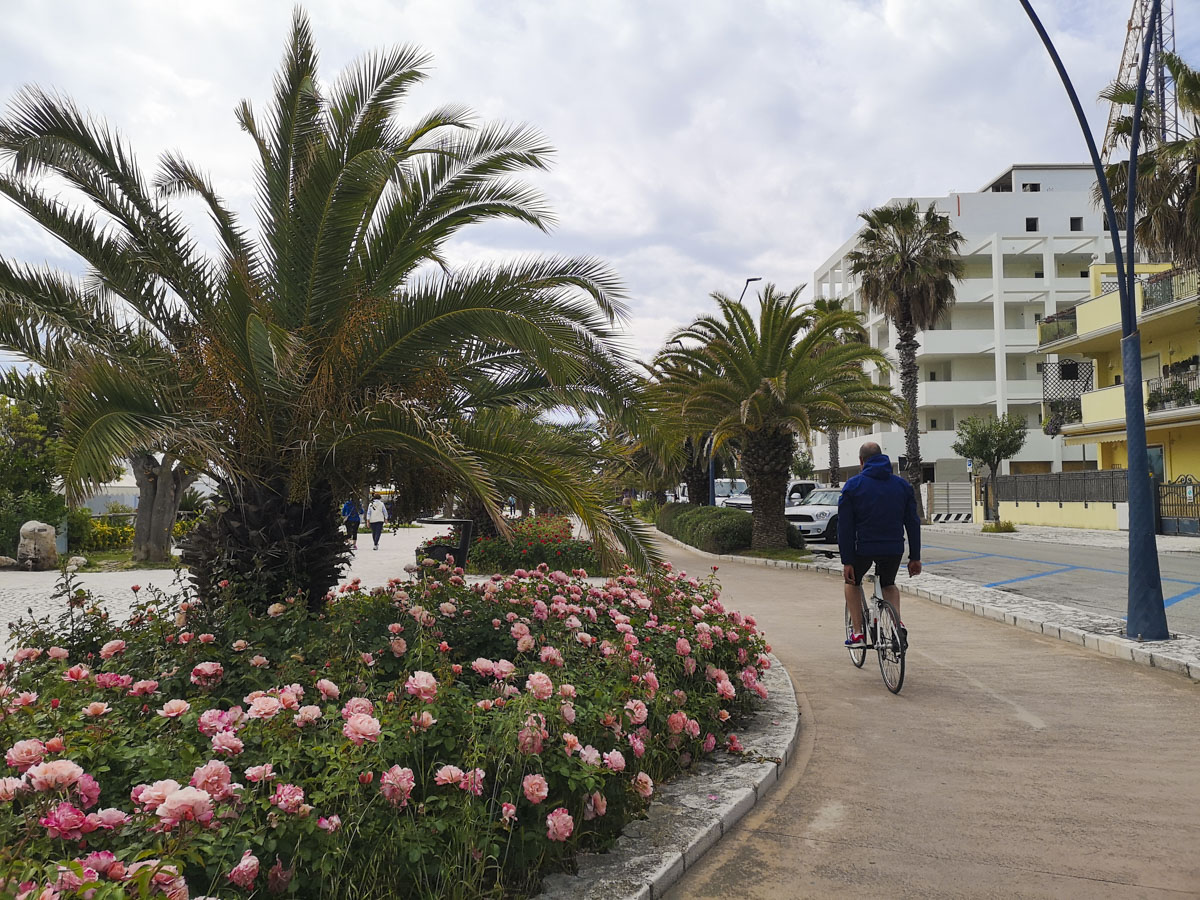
351	511
874	511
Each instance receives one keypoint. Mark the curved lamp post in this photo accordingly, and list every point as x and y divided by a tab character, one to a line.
712	457
1146	617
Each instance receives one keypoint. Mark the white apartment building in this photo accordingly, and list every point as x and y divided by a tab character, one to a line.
1030	236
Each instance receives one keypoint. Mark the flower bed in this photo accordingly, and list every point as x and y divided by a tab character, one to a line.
430	738
536	540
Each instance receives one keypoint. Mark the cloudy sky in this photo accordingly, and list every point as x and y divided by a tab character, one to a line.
698	143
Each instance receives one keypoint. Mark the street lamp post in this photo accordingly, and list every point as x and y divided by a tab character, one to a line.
1146	617
712	457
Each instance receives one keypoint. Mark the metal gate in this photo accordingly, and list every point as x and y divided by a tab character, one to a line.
1179	506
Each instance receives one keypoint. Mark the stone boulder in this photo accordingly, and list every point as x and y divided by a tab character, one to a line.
77	562
7	562
36	548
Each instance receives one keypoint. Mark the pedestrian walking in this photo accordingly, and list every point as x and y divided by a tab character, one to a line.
875	510
376	516
512	505
352	515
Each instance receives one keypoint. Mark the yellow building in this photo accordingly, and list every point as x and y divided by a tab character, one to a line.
1084	394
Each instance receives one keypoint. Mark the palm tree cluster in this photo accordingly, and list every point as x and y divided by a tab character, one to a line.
332	346
753	385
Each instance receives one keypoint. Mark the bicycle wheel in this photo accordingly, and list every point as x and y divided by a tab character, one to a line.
858	655
890	648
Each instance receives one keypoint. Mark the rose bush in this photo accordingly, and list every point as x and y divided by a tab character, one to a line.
536	540
426	738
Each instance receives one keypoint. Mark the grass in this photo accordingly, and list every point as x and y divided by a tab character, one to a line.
999	528
787	554
116	561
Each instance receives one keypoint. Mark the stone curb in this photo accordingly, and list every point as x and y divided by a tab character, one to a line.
691	812
1104	634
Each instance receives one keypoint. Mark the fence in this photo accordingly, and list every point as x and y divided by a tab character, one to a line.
948	497
1167	287
1103	486
1179	506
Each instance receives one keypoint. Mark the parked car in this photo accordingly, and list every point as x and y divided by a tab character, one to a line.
725	488
816	516
796	491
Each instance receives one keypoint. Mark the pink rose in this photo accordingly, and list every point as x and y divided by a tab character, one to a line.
244	873
472	782
483	667
637	711
615	760
643	785
448	775
58	653
568	713
28	654
422	685
96	709
143	688
24	754
214	778
332	824
67	822
173	709
682	647
502	669
288	797
399	646
361	727
535	787
207	638
676	722
260	773
508	813
111	649
228	743
590	755
356	705
307	715
259	661
540	685
559	825
423	720
108	819
328	690
208	674
150	796
396	785
9	788
56	775
240	645
76	674
187	804
596	806
725	689
111	681
264	708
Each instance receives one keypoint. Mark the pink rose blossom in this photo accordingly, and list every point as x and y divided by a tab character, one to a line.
75	674
566	691
725	689
227	742
307	715
570	743
111	649
288	797
58	653
24	754
113	681
590	755
208	674
110	818
568	713
207	638
259	661
264	708
535	788
615	760
187	804
423	685
483	666
643	785
67	822
502	669
95	709
472	782
239	646
328	690
637	745
360	727
508	813
423	720
332	824
733	744
682	647
676	722
150	796
559	825
28	654
448	775
9	788
173	709
396	785
214	778
637	711
25	698
356	705
143	688
55	775
596	806
540	685
260	773
244	873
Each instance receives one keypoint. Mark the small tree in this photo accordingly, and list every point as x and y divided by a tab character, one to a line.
990	441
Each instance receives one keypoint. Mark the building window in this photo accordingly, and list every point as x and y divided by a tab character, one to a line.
933	424
1031	223
1039	274
1077	223
1083	273
1031	187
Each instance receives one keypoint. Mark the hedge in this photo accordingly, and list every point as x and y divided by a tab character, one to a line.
714	529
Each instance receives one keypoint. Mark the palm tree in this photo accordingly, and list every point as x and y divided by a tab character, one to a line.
331	345
1168	183
761	383
906	260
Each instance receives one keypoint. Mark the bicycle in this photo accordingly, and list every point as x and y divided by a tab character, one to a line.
884	635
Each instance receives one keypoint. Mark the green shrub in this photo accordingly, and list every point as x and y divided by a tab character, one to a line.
107	536
646	510
536	539
17	509
667	514
714	529
79	528
999	528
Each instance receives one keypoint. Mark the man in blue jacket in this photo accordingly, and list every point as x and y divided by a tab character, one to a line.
874	511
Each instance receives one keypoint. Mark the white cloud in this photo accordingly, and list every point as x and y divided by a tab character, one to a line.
698	143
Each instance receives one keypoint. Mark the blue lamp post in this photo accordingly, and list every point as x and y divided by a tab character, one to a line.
1146	617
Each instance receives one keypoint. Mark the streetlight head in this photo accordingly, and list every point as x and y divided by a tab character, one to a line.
756	278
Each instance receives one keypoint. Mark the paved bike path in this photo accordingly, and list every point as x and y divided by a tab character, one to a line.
1011	765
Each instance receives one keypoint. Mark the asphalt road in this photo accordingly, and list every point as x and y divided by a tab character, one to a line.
1011	765
1094	579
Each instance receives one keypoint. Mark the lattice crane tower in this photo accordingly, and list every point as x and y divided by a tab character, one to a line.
1159	85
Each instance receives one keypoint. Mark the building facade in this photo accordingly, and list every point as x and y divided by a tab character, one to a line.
1032	235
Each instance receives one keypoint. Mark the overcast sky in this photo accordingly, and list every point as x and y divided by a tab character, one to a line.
698	143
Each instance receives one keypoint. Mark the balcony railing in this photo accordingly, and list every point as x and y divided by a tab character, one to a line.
1058	326
1173	391
1166	287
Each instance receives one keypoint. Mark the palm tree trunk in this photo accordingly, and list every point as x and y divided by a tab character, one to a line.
835	461
695	474
766	463
161	484
906	347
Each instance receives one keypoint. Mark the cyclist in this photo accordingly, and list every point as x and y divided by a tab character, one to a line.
875	509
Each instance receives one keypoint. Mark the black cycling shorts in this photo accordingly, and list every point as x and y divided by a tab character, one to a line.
886	568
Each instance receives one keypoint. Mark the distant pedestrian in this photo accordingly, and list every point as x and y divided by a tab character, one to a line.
512	505
376	516
352	515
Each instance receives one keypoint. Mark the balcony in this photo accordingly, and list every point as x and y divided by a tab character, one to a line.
1173	391
955	342
1058	327
955	393
1168	287
973	290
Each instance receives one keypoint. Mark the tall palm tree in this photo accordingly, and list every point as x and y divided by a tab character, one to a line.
331	344
761	383
1168	183
908	265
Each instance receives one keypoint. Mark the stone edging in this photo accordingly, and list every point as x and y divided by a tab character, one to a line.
690	813
1104	634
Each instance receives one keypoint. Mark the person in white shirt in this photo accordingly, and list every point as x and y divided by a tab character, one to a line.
376	516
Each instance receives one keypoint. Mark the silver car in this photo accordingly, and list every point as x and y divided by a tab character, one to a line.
817	515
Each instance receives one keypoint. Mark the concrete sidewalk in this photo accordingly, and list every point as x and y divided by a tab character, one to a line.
1011	765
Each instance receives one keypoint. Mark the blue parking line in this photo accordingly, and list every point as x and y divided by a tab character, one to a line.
938	562
1043	562
1037	575
1170	601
